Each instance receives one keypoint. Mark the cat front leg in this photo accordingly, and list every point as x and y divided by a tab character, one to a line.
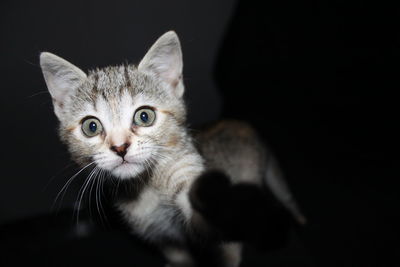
177	256
240	212
207	248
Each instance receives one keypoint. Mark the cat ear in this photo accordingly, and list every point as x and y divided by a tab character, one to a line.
61	78
164	59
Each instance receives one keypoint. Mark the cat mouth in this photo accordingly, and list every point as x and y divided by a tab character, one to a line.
117	163
124	168
127	169
126	162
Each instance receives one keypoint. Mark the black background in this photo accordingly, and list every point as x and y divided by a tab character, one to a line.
318	79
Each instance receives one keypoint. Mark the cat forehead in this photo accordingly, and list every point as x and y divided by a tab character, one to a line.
112	80
116	81
117	86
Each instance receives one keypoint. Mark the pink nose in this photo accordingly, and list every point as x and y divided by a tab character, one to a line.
120	150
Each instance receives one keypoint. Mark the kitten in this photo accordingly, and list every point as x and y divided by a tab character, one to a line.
129	121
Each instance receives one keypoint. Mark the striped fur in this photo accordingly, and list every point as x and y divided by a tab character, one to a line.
162	157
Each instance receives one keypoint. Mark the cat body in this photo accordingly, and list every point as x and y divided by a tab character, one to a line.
129	122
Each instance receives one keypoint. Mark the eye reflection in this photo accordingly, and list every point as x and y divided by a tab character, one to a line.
91	127
144	117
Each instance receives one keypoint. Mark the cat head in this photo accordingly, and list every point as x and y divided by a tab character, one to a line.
122	118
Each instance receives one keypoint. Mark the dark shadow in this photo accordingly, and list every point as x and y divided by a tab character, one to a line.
317	79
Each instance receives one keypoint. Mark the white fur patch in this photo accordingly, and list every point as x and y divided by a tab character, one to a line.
146	205
178	257
182	200
152	216
232	253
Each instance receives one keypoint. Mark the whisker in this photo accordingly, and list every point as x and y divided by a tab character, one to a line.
147	166
93	180
57	174
116	188
101	193
97	196
67	184
38	93
82	192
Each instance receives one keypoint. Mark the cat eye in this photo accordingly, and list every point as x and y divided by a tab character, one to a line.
91	127
144	117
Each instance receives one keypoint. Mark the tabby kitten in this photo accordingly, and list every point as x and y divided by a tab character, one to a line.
129	121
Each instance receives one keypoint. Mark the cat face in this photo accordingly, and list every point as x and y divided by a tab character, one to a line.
121	119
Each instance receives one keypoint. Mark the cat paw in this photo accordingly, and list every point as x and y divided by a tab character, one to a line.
240	212
209	192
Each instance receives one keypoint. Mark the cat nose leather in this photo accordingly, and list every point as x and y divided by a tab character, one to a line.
120	150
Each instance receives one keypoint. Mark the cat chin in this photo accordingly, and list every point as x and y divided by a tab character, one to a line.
127	171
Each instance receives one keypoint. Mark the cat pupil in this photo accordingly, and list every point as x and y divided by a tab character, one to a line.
144	116
93	126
